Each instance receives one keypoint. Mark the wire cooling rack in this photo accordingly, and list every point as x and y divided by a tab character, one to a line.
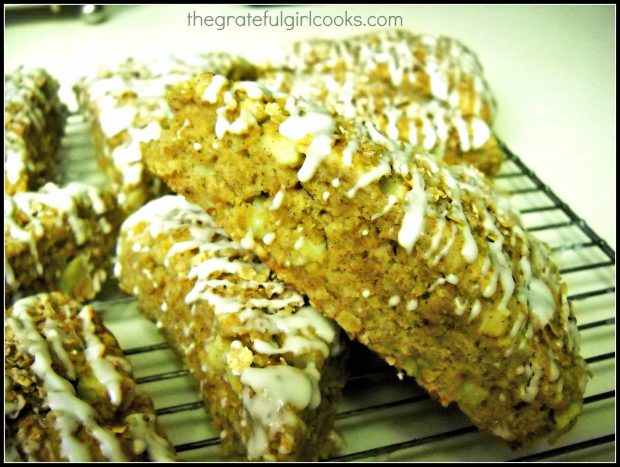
380	416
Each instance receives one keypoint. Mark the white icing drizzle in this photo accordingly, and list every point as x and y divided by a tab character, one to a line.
62	200
459	307
470	249
451	69
433	118
349	151
436	238
277	200
254	90
429	136
392	200
516	327
142	429
534	372
413	220
54	335
369	177
237	127
248	240
413	133
450	278
116	120
212	90
475	310
103	369
541	301
391	130
481	133
71	412
438	81
458	196
313	122
444	251
463	132
70	446
502	269
268	392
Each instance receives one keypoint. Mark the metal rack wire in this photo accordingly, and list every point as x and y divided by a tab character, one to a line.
376	402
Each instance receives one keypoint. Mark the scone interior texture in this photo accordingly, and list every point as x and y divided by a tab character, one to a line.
69	392
422	262
270	367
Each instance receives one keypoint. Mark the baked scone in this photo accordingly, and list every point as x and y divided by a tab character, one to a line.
59	239
68	391
417	65
424	122
34	120
422	262
125	106
270	368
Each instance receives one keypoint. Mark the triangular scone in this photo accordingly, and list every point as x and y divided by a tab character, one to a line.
125	105
428	91
69	393
425	123
270	367
439	68
59	238
422	262
34	123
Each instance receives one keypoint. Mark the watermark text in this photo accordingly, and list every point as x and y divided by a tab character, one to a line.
290	21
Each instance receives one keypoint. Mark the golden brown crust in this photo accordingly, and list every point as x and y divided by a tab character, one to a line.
421	262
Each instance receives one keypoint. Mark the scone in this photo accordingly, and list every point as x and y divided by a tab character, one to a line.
69	394
125	106
59	239
270	368
437	67
34	121
420	261
427	91
425	123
